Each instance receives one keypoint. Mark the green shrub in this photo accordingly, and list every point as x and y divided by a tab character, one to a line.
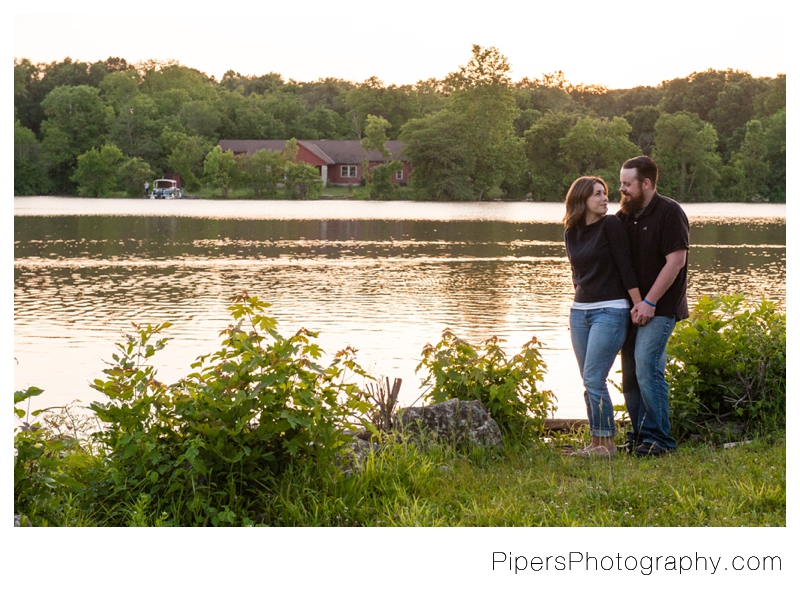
46	466
206	447
727	364
507	387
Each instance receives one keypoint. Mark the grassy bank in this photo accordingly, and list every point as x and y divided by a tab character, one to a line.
697	485
260	434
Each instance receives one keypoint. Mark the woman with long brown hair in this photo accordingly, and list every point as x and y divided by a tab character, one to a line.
605	285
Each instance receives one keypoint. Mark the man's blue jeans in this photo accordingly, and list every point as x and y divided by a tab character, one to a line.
644	359
597	336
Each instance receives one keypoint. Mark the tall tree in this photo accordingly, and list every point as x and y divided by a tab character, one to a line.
596	146
542	149
132	174
264	171
96	173
440	148
750	162
185	156
221	170
29	173
685	150
642	120
482	93
77	121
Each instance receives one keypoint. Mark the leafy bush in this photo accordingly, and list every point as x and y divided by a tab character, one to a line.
507	387
204	448
727	364
46	463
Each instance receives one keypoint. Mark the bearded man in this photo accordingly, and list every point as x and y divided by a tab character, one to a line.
658	230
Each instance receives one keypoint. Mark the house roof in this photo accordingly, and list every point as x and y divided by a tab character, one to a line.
329	151
351	151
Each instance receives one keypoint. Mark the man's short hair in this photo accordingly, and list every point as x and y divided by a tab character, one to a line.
646	168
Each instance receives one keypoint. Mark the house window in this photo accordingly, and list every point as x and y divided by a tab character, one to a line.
349	171
399	174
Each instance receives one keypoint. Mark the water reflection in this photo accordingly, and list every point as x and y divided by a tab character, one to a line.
386	287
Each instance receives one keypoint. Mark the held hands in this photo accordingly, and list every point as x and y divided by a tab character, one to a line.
642	313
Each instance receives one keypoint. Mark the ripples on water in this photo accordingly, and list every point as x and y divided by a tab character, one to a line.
386	287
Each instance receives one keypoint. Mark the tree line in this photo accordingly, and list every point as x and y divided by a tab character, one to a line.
108	126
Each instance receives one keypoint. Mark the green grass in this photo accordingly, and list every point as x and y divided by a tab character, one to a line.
402	485
209	193
696	486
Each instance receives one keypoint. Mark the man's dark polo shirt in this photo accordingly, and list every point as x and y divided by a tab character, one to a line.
658	231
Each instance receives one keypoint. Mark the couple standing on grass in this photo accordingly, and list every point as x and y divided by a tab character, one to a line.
637	257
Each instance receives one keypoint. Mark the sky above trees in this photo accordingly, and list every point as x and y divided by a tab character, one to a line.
402	43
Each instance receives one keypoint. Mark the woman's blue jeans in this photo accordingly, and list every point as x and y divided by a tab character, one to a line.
597	336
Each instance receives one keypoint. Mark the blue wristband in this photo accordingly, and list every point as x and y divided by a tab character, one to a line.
649	303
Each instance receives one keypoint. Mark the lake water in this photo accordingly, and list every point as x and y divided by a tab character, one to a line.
384	277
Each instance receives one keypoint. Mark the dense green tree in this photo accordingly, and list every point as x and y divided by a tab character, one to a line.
32	84
596	146
431	96
593	97
440	148
137	128
221	170
203	118
132	174
264	172
119	88
486	67
248	117
525	119
286	110
774	140
624	101
321	124
77	121
96	173
302	181
735	106
141	108
542	149
247	85
379	184
27	101
685	150
161	77
751	166
329	93
773	98
546	94
375	137
482	94
395	104
696	93
642	120
170	102
361	101
186	156
29	173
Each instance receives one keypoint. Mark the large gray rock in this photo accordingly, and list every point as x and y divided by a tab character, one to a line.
22	521
453	421
352	458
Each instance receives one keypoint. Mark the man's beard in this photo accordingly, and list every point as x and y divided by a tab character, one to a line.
630	205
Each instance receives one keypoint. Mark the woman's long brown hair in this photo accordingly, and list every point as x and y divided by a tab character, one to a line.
578	193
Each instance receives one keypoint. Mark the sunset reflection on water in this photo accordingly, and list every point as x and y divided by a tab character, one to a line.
385	286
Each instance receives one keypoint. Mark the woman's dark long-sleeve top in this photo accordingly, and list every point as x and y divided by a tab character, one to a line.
600	256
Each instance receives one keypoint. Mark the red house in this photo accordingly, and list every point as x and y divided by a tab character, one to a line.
340	162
